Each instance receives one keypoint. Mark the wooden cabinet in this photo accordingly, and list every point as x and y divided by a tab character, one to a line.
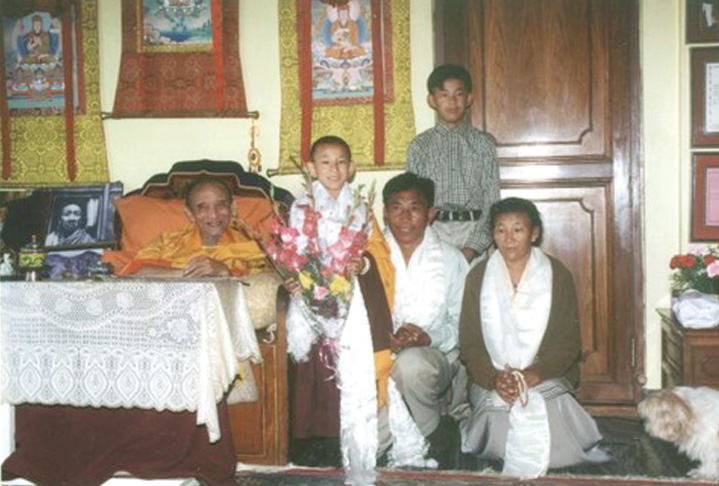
689	356
260	429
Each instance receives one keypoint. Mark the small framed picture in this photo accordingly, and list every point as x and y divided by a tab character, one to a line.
705	96
82	216
705	197
702	21
71	264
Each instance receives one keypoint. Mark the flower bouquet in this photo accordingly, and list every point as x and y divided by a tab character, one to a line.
326	285
695	282
698	270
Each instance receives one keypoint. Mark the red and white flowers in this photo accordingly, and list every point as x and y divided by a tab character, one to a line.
698	269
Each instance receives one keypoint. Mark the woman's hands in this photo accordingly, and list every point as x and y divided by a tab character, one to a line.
508	384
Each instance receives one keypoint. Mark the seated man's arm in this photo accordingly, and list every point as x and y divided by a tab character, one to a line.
203	266
200	266
156	272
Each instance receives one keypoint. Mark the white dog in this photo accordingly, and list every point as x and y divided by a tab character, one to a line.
688	417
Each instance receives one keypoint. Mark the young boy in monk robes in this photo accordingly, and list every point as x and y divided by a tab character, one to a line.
346	395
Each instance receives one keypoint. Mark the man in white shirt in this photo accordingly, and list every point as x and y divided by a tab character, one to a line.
429	282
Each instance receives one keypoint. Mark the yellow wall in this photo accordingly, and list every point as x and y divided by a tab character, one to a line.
139	148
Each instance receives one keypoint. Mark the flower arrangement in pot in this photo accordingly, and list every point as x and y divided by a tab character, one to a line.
695	286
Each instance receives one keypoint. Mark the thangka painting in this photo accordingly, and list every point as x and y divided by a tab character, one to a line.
180	58
342	52
50	127
34	70
345	71
176	25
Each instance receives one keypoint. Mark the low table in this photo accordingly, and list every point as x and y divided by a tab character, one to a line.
161	351
690	357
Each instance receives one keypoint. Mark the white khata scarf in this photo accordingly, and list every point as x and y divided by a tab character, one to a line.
513	325
419	300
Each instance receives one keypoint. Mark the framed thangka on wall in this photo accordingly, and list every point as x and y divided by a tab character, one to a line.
176	25
50	126
180	58
36	73
345	70
342	52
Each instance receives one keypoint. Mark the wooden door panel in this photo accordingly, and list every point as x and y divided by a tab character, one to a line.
556	84
543	91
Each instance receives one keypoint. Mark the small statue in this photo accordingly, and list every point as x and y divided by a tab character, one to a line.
32	259
7	268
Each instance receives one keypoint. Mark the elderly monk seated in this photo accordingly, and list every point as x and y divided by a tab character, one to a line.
209	247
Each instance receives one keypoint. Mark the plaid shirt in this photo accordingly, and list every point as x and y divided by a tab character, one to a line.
462	164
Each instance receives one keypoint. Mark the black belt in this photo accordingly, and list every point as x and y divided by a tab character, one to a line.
465	215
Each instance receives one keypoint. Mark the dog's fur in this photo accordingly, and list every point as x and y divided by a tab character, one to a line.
688	417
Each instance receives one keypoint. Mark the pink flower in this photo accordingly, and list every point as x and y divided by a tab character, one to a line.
320	292
309	226
288	234
698	250
713	269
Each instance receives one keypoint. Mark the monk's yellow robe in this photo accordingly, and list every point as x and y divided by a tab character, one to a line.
241	254
378	247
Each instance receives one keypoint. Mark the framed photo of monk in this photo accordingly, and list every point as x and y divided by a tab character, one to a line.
705	96
705	197
82	216
702	21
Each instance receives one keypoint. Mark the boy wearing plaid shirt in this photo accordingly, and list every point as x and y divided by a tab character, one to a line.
461	161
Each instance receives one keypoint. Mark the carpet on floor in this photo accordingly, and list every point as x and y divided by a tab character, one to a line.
637	459
335	477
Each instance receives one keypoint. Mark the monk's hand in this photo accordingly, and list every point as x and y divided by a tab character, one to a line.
203	266
293	286
506	385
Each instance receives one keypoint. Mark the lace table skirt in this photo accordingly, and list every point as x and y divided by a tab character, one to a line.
169	345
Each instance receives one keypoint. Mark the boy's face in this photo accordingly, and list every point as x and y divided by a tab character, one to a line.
450	102
331	166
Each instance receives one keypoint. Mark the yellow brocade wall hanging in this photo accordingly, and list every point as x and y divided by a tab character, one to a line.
50	121
345	68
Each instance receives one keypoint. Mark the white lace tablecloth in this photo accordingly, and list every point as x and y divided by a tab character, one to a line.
170	345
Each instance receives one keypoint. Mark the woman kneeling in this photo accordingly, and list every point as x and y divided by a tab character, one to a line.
519	338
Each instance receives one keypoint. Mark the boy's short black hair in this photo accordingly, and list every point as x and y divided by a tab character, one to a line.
448	71
203	180
518	205
330	140
409	181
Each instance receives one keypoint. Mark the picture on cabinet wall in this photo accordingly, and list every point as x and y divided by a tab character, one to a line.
705	197
702	21
705	96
